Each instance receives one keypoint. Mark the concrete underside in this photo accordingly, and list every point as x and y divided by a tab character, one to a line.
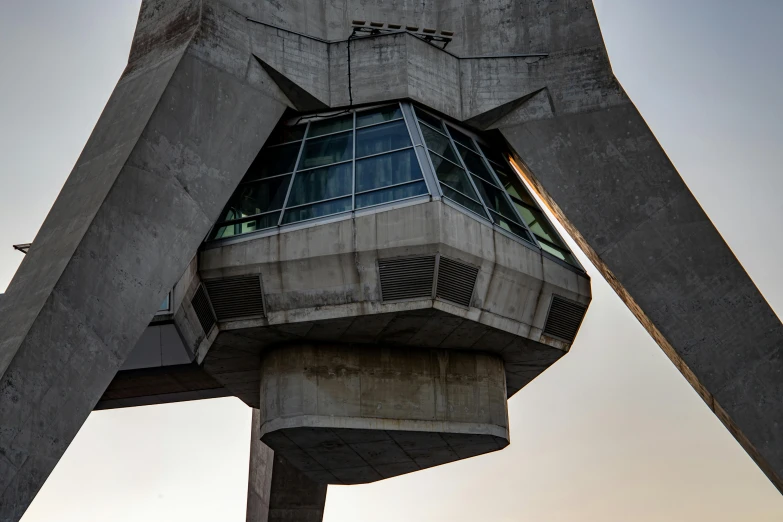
234	360
351	414
277	491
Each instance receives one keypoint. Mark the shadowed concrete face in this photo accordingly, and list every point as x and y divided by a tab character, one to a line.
277	491
354	414
170	147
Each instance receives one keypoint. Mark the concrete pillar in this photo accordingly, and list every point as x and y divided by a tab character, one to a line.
348	414
276	491
183	125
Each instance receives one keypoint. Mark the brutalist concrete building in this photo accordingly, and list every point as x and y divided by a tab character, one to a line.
325	209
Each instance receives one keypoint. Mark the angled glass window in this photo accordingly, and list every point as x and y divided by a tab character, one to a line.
327	150
371	117
329	165
480	178
320	184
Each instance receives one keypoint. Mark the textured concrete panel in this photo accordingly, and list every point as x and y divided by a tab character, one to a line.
173	142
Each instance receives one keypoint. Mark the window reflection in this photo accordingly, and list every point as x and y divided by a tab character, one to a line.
327	150
349	161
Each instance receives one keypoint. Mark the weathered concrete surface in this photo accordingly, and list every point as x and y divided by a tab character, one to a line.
181	128
597	164
351	414
321	283
277	491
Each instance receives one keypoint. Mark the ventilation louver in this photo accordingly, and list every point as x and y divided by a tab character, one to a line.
456	281
203	309
236	297
406	277
564	318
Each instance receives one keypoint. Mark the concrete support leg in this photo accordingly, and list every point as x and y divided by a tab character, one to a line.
615	190
276	491
180	130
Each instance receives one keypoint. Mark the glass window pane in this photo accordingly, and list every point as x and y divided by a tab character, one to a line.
559	253
475	164
256	198
538	224
391	194
493	155
166	304
431	120
512	227
438	143
462	139
513	185
453	176
318	184
328	126
392	112
387	169
259	223
323	151
462	200
316	210
286	133
273	161
495	199
382	138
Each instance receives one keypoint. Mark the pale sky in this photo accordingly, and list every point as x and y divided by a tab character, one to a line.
610	433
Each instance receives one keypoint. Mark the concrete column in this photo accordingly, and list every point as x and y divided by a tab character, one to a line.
276	491
184	123
615	190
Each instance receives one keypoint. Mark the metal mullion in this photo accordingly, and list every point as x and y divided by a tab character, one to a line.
470	177
430	177
353	165
474	200
246	218
284	143
432	116
293	177
377	123
264	179
503	189
432	128
308	138
479	180
392	202
391	186
447	159
385	152
310	203
308	169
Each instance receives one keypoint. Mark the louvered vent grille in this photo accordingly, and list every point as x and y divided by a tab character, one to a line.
565	317
407	277
456	281
203	310
236	297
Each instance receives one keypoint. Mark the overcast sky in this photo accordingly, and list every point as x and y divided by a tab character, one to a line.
611	433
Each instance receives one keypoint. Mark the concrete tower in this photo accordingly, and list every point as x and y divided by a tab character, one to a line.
327	199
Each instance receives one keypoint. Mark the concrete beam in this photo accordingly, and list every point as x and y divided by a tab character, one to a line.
276	491
600	169
184	123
